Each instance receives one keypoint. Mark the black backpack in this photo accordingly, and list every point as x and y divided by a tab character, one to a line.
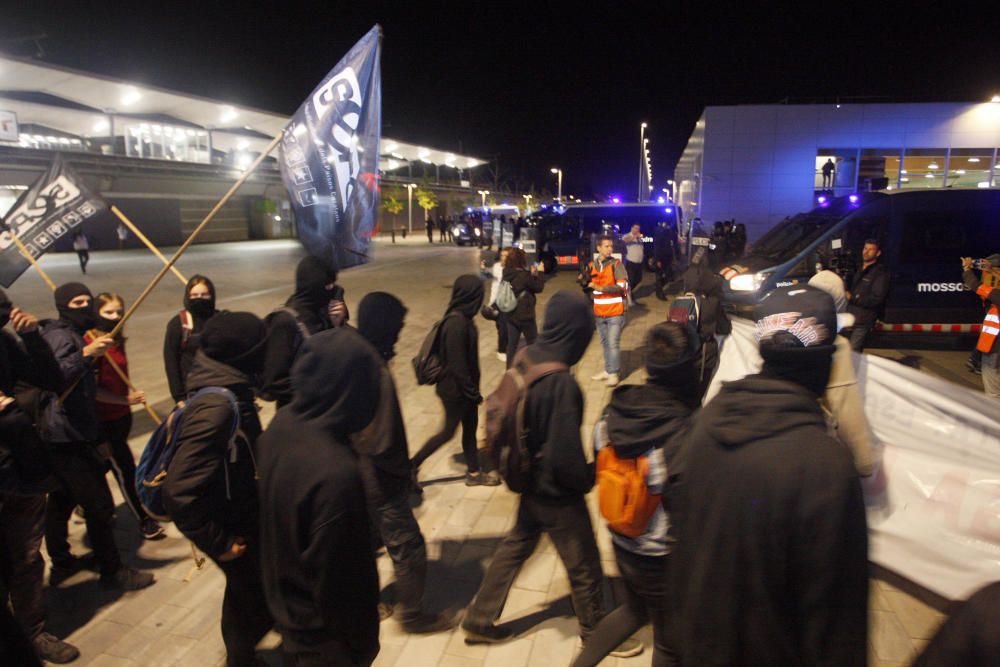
427	364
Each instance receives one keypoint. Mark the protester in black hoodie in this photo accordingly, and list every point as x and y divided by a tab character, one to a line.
318	565
210	489
459	387
183	332
383	459
70	430
555	503
645	420
24	481
526	284
771	561
316	305
707	284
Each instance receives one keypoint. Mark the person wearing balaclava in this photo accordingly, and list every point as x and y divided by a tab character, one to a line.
554	503
316	305
644	420
71	431
458	388
184	331
318	565
25	366
769	512
210	491
383	458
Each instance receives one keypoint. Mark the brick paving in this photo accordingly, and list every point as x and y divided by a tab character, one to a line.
176	621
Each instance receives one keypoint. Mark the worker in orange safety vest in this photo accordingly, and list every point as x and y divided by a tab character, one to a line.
608	282
991	323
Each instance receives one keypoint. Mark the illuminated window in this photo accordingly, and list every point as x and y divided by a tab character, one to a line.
969	167
879	169
836	170
923	168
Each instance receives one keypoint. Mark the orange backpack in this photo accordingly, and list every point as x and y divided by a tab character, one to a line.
622	494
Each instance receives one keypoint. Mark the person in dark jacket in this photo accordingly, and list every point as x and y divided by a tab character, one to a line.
24	481
555	503
210	489
459	387
71	431
707	284
183	332
771	558
646	420
384	463
664	256
867	293
971	635
316	305
319	568
526	284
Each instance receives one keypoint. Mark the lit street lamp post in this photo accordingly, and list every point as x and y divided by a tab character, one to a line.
409	205
642	157
483	193
558	172
527	203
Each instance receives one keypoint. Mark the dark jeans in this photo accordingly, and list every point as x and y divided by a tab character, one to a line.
465	413
634	272
84	257
22	524
245	616
80	472
122	462
405	544
646	601
514	332
330	654
859	333
501	324
568	526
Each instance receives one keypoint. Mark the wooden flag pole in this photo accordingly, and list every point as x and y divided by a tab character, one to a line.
149	244
121	374
34	262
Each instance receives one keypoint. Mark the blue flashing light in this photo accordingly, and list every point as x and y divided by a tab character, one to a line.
468	209
853	199
821	199
668	209
660	200
616	200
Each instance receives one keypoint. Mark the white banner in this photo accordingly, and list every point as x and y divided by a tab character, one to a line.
934	506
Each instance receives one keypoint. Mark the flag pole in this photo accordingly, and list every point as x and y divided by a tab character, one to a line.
149	244
128	383
28	256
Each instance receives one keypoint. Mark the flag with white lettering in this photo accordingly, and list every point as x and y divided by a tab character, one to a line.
56	205
329	157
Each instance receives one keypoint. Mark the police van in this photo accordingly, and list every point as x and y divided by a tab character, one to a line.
922	235
565	235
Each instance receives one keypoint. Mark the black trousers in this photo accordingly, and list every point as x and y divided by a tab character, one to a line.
514	332
465	413
859	334
330	654
568	526
22	524
122	462
501	325
245	616
405	545
634	272
646	601
81	475
84	257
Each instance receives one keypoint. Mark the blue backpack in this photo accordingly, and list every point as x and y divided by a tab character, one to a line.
151	473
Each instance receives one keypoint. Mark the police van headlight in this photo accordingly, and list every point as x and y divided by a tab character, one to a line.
747	282
457	231
477	231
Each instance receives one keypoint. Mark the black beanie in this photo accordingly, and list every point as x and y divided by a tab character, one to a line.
66	293
235	339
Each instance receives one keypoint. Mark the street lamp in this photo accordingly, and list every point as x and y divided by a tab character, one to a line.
409	205
558	172
527	203
483	193
671	184
642	154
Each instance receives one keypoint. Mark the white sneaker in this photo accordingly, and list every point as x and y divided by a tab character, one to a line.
612	380
501	356
603	375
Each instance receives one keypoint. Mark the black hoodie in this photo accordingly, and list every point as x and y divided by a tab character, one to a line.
178	354
317	562
772	545
460	342
553	410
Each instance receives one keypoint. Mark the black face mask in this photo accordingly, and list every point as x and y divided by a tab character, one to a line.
82	319
201	308
5	309
106	325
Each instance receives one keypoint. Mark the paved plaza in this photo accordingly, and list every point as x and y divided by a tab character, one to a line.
176	621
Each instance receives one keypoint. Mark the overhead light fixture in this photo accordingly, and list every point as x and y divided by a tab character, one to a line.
960	172
928	175
242	145
130	96
933	165
973	159
102	125
228	114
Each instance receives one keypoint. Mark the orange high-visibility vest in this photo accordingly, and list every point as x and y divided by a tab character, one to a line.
607	305
991	323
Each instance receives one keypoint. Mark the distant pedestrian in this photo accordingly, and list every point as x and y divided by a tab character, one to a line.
121	231
210	491
180	343
442	226
633	260
458	389
82	247
828	170
318	564
526	283
499	318
608	282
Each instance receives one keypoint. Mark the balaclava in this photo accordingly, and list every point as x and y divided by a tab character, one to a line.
380	319
237	340
200	309
80	319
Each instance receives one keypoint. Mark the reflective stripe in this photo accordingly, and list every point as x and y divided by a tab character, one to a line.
993	331
607	300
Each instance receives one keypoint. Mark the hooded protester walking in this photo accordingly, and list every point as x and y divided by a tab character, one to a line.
184	331
316	305
318	565
771	560
70	429
700	279
458	388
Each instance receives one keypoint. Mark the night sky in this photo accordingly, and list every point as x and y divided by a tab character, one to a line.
538	84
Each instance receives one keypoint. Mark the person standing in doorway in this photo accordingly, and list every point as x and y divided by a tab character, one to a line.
633	261
828	169
608	282
82	247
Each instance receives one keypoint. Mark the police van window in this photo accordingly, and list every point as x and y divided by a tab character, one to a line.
937	237
869	222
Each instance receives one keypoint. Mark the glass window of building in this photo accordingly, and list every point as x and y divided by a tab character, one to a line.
969	167
836	171
879	169
923	168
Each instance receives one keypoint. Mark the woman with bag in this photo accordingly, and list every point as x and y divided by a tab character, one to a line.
525	284
184	331
114	408
490	310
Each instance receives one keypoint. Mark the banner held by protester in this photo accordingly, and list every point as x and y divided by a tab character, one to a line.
54	206
329	155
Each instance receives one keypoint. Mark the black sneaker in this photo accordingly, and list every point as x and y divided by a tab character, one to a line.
151	530
53	649
426	624
127	579
486	634
63	570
